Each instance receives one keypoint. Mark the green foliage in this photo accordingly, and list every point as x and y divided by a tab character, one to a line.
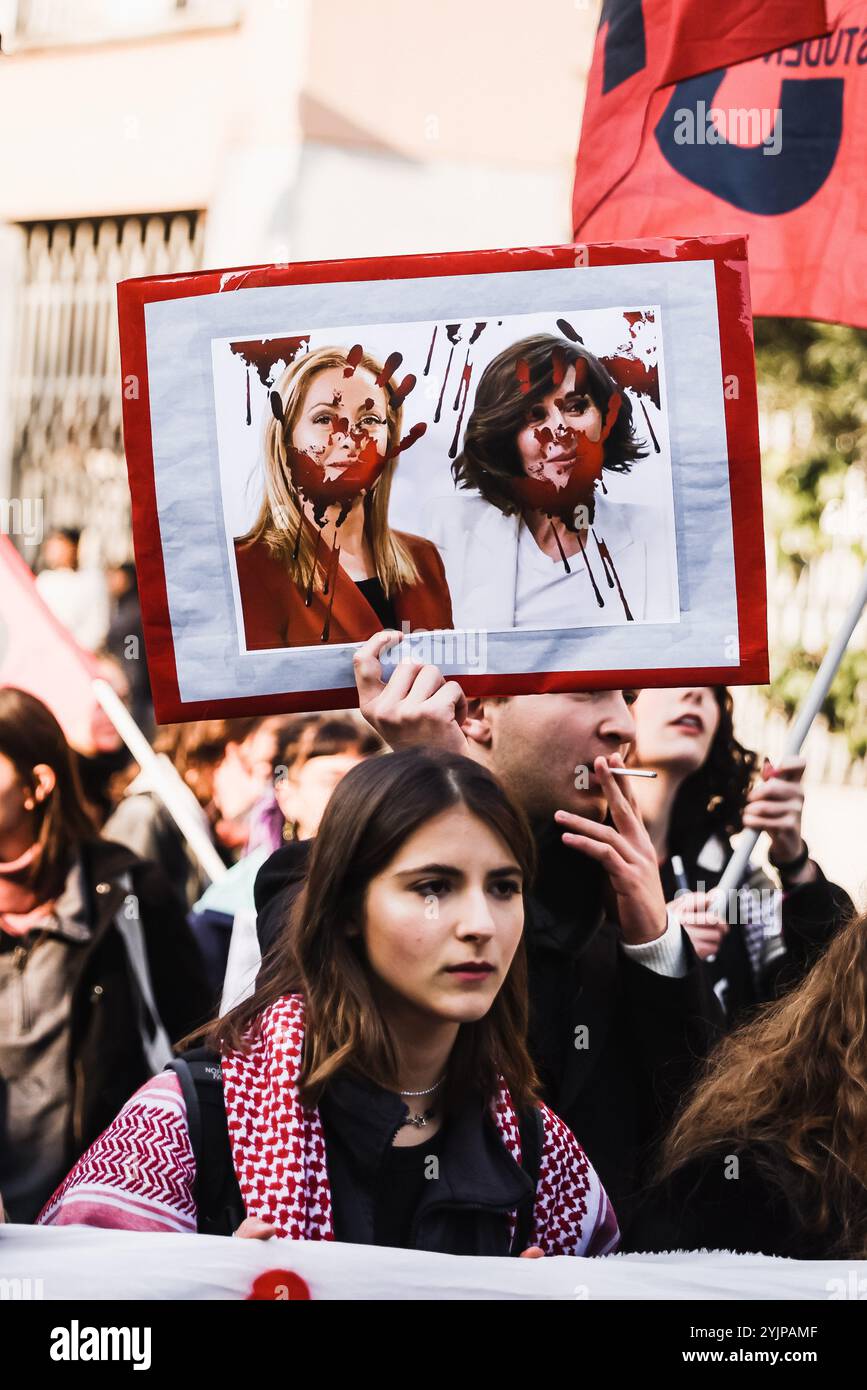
816	375
844	707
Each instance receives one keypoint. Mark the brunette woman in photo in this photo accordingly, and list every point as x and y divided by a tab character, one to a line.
769	1153
321	564
530	538
385	1042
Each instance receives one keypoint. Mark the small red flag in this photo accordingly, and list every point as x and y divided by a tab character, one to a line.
38	655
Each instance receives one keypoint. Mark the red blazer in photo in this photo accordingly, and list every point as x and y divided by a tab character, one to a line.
276	614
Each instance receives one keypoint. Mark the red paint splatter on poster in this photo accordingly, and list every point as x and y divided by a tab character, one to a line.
400	393
465	379
330	583
653	438
265	353
353	358
634	374
556	535
412	437
392	362
600	602
430	350
568	331
438	410
462	383
605	553
308	597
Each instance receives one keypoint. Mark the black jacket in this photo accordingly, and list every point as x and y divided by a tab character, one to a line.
715	1203
811	914
106	1061
462	1213
646	1031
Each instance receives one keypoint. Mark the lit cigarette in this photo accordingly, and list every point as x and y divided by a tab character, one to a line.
631	772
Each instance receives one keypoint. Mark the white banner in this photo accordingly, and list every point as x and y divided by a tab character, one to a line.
74	1263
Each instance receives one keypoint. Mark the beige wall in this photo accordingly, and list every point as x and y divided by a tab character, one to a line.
486	81
210	119
115	128
201	119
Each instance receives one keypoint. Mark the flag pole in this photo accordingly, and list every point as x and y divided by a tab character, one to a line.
164	777
734	870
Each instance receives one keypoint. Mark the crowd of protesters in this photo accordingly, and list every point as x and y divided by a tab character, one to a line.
448	929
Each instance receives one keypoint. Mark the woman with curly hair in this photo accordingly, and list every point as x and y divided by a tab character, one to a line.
769	1153
706	789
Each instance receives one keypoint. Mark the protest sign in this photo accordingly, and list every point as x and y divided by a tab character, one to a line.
540	466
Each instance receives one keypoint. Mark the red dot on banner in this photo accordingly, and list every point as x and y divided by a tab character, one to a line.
278	1286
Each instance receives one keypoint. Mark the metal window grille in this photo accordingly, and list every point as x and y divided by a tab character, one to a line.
66	386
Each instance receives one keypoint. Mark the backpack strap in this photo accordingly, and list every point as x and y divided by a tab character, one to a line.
532	1130
219	1205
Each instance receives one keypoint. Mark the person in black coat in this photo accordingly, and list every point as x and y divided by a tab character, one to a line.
768	1154
706	789
99	973
620	1010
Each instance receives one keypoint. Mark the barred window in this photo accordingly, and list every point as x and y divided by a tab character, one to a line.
66	387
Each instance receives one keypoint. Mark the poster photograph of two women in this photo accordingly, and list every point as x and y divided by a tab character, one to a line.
541	446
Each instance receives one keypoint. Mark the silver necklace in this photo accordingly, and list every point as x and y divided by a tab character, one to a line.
429	1092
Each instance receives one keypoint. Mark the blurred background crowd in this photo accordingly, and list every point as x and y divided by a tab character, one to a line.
178	134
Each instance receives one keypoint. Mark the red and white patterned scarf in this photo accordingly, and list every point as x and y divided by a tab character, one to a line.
140	1173
278	1147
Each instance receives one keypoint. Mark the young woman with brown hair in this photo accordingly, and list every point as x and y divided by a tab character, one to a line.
530	538
98	971
376	1086
769	1153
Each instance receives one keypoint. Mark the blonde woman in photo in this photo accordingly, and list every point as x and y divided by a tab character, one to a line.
320	563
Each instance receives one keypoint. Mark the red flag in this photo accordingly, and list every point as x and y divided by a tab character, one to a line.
642	45
38	655
773	148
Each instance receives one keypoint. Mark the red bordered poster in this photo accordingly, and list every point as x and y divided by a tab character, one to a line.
540	466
